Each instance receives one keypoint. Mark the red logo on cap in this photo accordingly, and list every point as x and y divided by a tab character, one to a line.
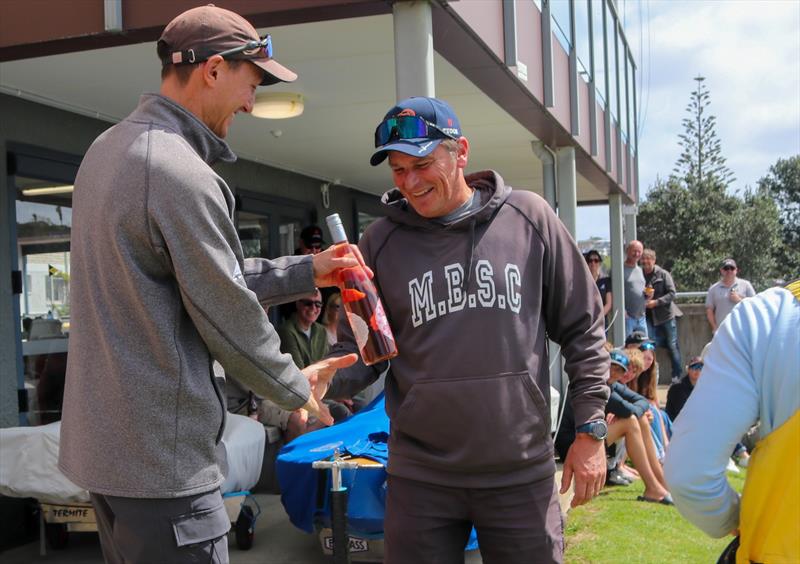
449	122
407	112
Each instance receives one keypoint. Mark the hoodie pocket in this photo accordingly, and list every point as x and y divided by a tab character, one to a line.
477	423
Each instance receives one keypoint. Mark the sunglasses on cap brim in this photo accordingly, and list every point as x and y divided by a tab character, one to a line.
647	347
253	49
407	127
261	49
696	366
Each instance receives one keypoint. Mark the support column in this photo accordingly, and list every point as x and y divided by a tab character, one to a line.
617	333
413	49
556	368
630	223
567	189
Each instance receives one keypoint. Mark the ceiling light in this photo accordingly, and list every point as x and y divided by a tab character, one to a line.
47	190
278	105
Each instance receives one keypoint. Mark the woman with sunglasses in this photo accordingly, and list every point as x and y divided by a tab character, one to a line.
595	262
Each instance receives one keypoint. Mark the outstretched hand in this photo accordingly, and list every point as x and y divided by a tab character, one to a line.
586	461
329	262
319	376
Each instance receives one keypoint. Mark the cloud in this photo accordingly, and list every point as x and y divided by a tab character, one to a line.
748	53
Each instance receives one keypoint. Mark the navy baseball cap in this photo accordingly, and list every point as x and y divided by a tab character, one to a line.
619	358
415	126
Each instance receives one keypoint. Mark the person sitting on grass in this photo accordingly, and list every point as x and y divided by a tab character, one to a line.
646	384
627	414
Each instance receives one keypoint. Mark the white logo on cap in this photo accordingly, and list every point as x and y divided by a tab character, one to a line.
424	147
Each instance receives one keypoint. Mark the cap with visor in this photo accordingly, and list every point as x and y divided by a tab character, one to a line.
198	34
415	126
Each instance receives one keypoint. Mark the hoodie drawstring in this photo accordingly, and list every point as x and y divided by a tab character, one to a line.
471	257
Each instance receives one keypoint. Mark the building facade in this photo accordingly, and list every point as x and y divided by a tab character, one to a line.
545	90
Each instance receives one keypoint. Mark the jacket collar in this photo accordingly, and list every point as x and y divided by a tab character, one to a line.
165	112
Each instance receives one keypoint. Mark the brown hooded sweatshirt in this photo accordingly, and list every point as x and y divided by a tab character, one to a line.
472	304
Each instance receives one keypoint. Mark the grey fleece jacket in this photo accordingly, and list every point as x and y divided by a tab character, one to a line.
471	305
159	290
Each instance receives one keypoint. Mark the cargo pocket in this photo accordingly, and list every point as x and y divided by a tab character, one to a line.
201	526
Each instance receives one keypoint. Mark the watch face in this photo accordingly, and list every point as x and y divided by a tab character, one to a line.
599	430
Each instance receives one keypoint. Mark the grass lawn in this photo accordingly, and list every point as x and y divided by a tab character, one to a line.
615	527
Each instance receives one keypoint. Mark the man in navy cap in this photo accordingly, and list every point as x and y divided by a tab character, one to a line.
474	277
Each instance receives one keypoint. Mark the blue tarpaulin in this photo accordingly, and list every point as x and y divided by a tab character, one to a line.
304	490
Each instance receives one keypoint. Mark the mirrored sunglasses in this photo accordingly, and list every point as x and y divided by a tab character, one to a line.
309	303
647	347
256	49
407	127
696	366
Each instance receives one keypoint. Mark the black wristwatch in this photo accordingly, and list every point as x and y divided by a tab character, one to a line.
595	429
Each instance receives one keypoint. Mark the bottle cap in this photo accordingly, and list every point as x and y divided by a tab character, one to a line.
336	228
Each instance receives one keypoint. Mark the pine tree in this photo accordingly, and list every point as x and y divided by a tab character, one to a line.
701	164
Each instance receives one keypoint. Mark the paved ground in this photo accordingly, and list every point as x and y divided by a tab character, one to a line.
276	542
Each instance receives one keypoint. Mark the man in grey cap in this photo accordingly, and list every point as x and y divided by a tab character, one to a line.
723	295
160	290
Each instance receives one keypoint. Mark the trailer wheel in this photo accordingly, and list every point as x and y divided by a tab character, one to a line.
245	528
56	534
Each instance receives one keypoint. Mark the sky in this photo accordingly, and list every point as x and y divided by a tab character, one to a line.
749	53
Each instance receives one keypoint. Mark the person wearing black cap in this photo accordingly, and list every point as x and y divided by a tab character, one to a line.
723	295
161	290
474	277
311	241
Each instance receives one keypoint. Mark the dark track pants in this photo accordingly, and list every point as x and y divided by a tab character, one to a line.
430	524
152	531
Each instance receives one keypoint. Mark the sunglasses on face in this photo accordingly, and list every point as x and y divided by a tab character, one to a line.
591	260
728	268
309	303
647	347
407	127
261	47
696	366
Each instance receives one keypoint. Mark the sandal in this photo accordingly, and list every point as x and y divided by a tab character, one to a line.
666	500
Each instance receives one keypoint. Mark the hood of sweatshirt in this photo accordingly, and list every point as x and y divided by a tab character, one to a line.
492	192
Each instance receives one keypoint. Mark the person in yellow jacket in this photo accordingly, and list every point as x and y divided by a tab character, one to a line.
751	375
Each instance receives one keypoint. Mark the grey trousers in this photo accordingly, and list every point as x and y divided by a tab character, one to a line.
430	524
173	530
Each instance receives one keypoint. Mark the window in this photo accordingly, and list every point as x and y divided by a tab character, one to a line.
43	212
582	38
599	50
559	11
613	77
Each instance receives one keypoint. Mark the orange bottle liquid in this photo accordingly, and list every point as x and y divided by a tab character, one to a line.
362	305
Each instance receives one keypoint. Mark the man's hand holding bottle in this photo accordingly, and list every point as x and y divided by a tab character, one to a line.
329	262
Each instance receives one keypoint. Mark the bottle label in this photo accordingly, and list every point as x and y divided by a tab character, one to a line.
379	321
360	329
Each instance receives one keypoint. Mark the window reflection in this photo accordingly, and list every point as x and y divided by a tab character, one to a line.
44	224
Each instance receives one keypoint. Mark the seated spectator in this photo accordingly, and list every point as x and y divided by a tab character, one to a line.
301	335
680	392
646	384
628	415
330	315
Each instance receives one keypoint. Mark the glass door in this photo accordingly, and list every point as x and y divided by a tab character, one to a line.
43	225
